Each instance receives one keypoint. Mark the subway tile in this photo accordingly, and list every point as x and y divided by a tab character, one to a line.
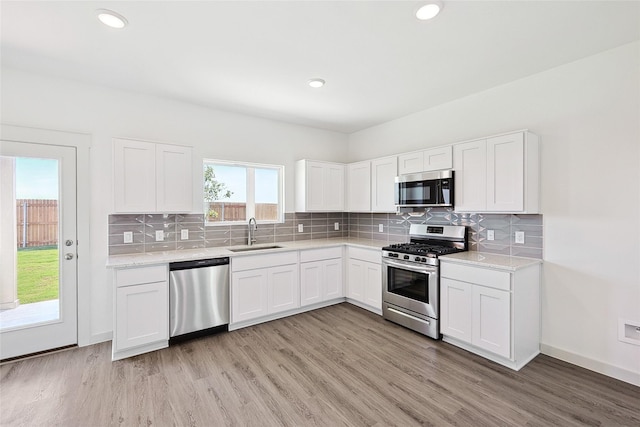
186	244
126	219
193	218
150	237
126	249
495	249
118	239
530	242
159	218
270	238
160	246
237	241
217	233
319	215
121	228
217	243
302	236
334	234
526	219
302	216
380	236
528	252
320	235
193	236
283	238
529	230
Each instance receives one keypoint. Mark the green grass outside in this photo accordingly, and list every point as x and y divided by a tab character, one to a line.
37	274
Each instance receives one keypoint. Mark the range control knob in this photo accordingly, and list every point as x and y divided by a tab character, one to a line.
423	260
417	259
406	257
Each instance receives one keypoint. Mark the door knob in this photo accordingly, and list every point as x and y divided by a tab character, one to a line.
68	256
68	242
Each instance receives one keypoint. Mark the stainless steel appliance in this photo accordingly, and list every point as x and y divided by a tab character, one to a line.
424	189
411	276
198	297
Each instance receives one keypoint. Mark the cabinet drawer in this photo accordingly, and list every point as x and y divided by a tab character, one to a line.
477	275
242	263
141	275
369	255
320	254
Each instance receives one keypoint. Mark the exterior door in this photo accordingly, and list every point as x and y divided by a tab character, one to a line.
38	271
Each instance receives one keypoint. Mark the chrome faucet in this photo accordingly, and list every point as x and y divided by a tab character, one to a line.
252	229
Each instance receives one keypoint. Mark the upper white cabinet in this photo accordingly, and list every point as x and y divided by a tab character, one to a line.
425	160
359	183
319	186
498	174
150	177
383	174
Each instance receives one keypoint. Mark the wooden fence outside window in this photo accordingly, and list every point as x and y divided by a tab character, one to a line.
41	225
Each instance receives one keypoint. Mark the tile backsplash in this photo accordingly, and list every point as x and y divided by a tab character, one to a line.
395	229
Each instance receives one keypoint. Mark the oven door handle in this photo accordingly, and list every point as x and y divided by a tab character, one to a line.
420	269
393	310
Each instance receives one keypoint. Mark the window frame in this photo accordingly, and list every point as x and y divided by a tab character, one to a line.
250	189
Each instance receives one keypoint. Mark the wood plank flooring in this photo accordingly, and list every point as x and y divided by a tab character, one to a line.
337	366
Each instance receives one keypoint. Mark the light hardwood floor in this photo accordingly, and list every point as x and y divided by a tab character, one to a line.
335	366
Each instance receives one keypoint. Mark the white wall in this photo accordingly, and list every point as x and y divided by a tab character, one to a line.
587	115
52	103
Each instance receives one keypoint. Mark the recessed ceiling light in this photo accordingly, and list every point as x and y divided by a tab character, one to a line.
111	18
316	83
429	10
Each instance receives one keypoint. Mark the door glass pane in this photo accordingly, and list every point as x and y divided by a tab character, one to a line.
29	213
225	192
267	189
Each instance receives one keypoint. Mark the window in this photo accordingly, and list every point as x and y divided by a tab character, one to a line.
235	192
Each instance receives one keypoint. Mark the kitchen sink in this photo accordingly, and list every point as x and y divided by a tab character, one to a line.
254	248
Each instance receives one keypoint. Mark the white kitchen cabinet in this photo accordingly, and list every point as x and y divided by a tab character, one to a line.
359	187
498	174
141	311
383	174
491	312
319	186
150	177
264	285
364	278
320	276
426	160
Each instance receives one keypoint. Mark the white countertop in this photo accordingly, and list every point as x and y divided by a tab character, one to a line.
485	259
131	260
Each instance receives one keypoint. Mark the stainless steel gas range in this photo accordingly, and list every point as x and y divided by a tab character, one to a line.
411	276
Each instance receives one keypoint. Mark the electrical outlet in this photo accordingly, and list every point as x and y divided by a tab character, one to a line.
184	234
128	237
336	226
520	237
491	235
159	235
300	228
380	228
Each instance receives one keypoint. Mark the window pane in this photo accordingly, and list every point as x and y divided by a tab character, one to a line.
225	192
267	196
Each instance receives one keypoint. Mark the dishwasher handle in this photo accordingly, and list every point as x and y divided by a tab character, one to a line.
198	263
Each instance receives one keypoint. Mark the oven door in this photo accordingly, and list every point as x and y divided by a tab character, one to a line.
411	286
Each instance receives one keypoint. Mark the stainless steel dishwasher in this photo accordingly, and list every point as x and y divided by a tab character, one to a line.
198	297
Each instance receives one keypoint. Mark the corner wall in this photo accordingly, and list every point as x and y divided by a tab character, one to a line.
587	114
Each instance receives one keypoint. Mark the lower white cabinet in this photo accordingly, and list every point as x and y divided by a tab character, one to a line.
320	276
141	318
264	285
364	278
493	313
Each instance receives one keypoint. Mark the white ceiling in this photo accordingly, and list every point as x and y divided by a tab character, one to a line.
380	63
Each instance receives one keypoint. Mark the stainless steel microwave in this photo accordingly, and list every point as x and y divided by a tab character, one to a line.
424	189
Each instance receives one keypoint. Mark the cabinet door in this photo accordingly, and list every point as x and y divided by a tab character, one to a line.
142	315
410	162
438	158
359	180
333	279
505	173
283	288
373	285
134	176
355	281
491	310
383	174
315	186
333	189
455	309
248	295
311	278
470	164
174	178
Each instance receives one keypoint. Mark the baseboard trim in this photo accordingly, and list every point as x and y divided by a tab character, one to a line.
598	366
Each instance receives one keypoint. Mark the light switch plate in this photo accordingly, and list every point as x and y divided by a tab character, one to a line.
128	237
520	237
159	235
380	228
491	235
184	234
300	228
336	226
